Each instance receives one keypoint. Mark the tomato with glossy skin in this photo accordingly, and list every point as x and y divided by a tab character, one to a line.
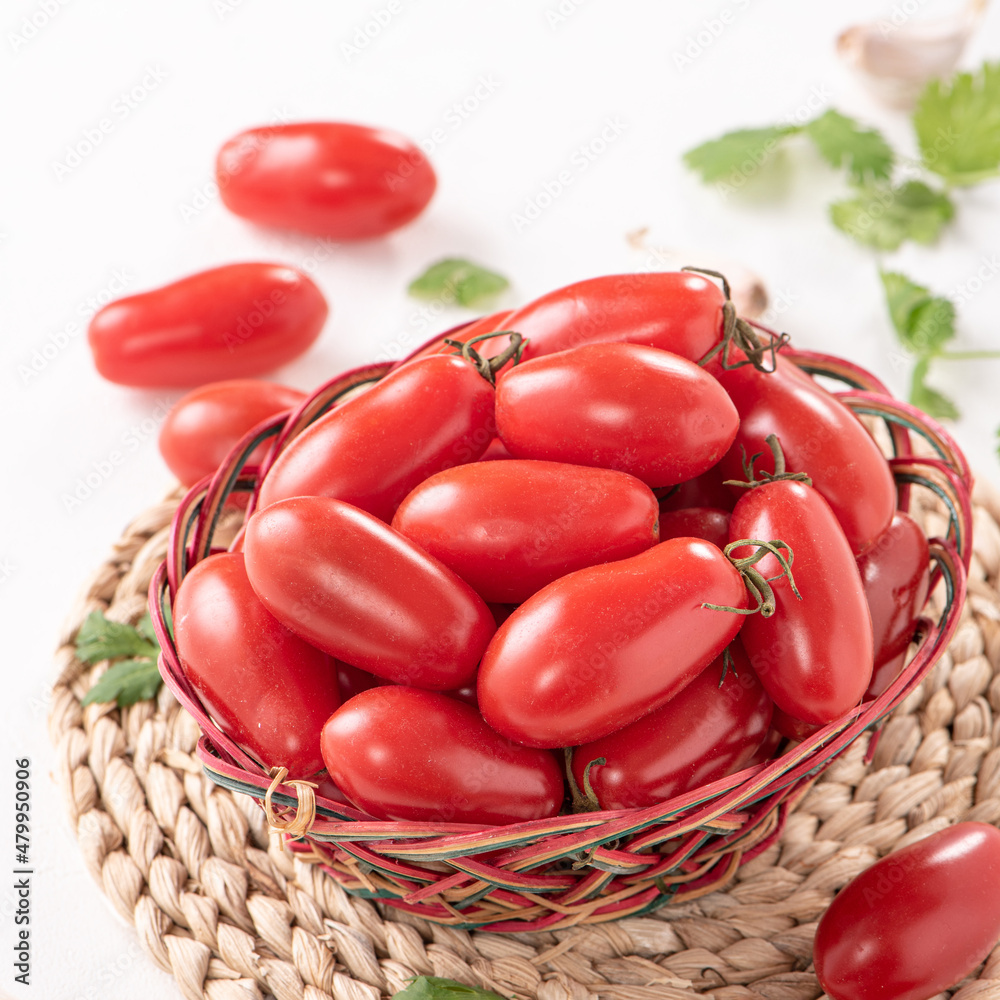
697	522
814	655
711	729
205	425
352	680
821	437
425	416
266	688
335	179
675	311
706	490
917	921
604	646
235	321
509	528
400	753
347	583
895	572
637	409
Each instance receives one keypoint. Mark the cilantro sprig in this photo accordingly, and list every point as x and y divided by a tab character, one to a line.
135	677
456	280
436	988
957	126
957	123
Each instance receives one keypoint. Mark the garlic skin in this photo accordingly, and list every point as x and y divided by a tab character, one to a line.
748	291
895	57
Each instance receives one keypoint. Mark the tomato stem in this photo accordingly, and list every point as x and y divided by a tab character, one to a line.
758	586
739	333
585	801
488	367
727	664
780	470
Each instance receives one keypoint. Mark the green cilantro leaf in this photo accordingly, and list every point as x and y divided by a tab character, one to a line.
924	322
126	682
101	639
843	142
742	151
466	283
883	217
133	679
435	988
928	399
958	126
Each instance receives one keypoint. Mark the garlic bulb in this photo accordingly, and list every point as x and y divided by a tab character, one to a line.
896	56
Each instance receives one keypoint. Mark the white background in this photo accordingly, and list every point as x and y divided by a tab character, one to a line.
140	206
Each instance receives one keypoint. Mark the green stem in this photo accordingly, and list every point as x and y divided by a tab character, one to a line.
967	355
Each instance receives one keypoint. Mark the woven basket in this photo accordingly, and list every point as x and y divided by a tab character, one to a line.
586	868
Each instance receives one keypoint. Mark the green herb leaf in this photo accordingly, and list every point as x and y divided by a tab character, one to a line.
958	126
101	639
927	398
460	280
434	988
126	683
883	217
924	322
843	142
742	151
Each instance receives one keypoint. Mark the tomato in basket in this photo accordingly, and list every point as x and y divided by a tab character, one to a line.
267	689
401	753
348	583
428	415
604	646
509	528
640	410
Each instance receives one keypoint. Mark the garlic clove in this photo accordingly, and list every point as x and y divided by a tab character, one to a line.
895	57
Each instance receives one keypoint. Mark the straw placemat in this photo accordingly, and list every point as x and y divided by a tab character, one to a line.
219	903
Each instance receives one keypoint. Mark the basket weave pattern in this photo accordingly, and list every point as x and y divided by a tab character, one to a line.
234	916
592	867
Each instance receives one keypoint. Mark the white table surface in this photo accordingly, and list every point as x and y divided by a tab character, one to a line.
537	81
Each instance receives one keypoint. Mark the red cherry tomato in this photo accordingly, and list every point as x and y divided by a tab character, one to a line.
896	574
230	322
820	436
706	490
266	688
917	921
371	451
333	179
204	425
711	729
349	584
696	522
400	753
618	406
675	311
604	646
509	528
814	655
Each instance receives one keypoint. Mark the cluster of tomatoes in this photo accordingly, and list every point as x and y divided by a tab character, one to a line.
613	532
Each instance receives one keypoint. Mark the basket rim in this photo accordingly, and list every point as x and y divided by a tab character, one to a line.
516	845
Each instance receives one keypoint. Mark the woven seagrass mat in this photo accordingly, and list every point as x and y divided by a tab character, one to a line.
219	903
